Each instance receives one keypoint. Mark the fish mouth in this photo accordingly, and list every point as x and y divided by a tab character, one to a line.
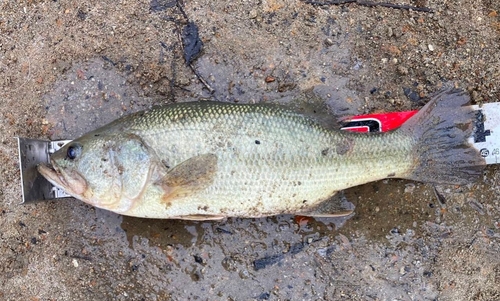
53	174
71	182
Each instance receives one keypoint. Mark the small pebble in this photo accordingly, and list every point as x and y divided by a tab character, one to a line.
253	14
389	32
269	79
402	70
328	42
409	188
75	262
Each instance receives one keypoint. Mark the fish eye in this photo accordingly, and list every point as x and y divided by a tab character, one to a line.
73	151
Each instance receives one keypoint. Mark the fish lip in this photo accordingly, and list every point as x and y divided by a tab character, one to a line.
53	174
71	182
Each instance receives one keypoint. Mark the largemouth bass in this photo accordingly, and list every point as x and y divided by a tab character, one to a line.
210	160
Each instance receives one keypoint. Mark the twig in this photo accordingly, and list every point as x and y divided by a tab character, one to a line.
179	6
191	57
189	60
440	198
369	4
202	80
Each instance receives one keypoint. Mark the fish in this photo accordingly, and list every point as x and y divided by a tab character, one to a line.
211	160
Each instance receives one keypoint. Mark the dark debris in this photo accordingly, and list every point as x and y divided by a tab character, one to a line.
264	262
161	5
369	4
191	42
411	94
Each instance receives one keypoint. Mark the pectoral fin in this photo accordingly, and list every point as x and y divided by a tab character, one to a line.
188	177
336	206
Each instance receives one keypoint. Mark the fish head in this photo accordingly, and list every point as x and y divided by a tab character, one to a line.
109	171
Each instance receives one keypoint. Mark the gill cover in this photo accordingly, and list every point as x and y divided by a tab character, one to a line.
116	168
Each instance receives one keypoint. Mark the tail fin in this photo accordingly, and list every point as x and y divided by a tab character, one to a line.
441	130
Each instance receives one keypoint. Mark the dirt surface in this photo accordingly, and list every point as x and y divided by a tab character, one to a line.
69	66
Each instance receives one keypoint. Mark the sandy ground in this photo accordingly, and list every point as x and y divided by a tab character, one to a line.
69	66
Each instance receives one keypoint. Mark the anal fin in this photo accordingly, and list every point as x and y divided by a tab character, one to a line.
202	217
335	206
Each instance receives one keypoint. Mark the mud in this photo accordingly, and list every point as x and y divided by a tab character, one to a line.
68	67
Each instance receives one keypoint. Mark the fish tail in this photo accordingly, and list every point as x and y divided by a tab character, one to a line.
441	129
